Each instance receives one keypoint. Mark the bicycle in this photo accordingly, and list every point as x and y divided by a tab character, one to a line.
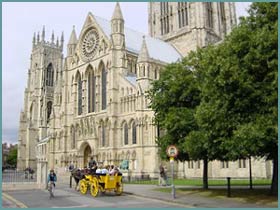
51	189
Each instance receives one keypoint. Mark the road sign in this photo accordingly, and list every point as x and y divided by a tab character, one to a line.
172	151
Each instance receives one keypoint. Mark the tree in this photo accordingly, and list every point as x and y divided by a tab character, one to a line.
12	157
221	101
238	84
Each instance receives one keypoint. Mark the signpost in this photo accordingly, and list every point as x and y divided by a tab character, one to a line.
172	152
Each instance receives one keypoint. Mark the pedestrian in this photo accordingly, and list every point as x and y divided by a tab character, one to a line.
162	176
91	163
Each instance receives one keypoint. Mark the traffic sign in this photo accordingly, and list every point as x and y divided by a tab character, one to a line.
172	151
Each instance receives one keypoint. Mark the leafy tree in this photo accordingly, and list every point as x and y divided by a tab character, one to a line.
12	157
238	84
221	101
174	98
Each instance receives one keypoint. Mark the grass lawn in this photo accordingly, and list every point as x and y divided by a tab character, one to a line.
198	182
258	196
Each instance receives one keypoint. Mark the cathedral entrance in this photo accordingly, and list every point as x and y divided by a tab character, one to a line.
87	155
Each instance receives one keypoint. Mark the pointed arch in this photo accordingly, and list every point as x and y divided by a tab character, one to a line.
103	85
79	92
125	133
49	110
49	75
91	80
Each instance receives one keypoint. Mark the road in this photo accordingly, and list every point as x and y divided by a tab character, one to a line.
68	198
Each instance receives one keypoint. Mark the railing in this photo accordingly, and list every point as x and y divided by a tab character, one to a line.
14	176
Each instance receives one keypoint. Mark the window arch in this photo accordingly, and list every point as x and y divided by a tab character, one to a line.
49	75
73	136
103	133
125	133
183	14
134	138
91	91
103	87
80	99
49	110
164	19
209	10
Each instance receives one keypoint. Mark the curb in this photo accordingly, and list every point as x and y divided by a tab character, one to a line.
161	199
13	200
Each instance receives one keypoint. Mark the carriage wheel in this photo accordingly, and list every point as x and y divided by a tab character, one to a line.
94	188
119	188
83	186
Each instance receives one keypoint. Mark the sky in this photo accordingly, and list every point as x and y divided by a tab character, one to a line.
20	20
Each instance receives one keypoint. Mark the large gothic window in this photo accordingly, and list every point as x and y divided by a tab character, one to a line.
80	89
91	92
49	76
223	16
209	10
134	141
49	110
164	18
125	133
103	88
183	14
73	136
103	139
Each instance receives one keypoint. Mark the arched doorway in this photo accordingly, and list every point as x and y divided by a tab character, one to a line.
87	154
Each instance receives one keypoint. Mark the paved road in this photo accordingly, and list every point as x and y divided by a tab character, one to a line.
68	198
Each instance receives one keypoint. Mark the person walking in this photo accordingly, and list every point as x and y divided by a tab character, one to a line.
162	176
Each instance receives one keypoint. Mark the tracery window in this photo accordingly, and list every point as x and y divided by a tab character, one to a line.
49	110
91	92
125	133
49	76
80	99
103	88
183	14
134	140
164	18
209	10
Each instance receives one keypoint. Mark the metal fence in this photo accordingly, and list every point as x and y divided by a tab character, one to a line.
14	176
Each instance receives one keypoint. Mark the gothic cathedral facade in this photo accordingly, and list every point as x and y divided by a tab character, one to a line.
92	103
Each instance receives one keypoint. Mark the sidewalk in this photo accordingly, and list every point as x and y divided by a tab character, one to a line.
148	191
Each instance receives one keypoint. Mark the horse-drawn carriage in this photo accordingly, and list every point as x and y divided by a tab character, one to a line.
97	183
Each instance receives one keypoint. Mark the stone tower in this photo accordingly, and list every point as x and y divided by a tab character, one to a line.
42	96
188	25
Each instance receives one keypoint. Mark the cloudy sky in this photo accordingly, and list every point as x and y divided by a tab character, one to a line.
21	20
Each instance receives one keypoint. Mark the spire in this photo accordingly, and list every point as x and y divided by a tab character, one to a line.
38	38
73	37
52	37
144	54
117	12
62	40
57	42
43	34
34	39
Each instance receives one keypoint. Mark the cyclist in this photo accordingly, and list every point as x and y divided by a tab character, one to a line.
51	179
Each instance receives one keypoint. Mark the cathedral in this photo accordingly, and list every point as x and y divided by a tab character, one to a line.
92	103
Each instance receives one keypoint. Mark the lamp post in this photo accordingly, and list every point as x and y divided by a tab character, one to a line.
172	174
172	152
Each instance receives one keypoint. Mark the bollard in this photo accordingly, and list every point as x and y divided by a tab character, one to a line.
71	181
228	186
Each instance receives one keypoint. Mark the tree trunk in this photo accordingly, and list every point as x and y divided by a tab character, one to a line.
205	173
274	183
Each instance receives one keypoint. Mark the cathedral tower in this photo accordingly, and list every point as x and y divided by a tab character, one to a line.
188	25
40	96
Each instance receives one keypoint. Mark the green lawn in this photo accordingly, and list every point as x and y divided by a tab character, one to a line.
258	196
198	182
